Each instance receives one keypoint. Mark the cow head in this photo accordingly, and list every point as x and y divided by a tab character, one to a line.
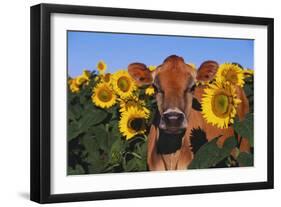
174	82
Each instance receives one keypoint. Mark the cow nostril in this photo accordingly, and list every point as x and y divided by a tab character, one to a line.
173	116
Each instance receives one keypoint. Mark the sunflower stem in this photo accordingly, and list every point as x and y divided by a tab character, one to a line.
145	137
238	140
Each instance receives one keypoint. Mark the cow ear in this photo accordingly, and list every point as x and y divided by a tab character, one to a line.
243	108
207	71
140	73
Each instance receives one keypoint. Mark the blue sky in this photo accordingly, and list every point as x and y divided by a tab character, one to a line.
85	49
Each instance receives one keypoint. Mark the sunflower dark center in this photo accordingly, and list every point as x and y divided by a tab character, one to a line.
105	95
101	66
124	84
220	105
137	124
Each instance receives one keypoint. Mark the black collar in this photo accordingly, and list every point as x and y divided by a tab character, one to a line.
168	143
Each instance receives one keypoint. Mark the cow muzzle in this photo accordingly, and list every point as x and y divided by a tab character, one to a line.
173	121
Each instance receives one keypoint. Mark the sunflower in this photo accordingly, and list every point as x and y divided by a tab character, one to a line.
230	73
103	96
74	88
101	66
80	80
132	122
84	78
106	78
219	103
123	84
133	101
149	91
86	74
152	67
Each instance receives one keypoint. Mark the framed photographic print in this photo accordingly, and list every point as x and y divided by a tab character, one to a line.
132	103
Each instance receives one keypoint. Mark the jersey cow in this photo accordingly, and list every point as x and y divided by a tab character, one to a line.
169	145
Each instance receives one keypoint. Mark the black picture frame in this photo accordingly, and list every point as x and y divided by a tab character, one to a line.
41	96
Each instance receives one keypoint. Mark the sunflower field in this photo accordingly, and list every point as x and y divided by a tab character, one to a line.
108	121
109	118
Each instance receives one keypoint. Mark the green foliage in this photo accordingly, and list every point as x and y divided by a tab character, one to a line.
210	154
78	169
249	91
245	159
245	128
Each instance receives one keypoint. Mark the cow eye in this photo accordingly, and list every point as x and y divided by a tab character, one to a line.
157	89
190	89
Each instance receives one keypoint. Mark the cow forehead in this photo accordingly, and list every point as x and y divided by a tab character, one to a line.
175	77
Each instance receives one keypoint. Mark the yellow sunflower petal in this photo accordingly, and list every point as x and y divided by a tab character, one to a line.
149	91
74	88
80	80
152	67
192	65
86	74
